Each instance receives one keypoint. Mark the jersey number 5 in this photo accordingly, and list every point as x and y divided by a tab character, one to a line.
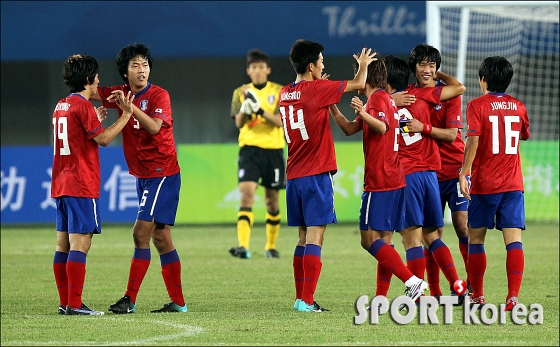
60	132
300	124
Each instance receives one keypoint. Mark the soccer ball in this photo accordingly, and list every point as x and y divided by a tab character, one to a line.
460	287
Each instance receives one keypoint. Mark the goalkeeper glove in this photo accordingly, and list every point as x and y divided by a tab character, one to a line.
246	108
253	101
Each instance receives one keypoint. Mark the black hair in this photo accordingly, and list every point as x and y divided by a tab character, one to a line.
303	53
130	52
257	56
497	72
376	72
421	53
79	71
397	72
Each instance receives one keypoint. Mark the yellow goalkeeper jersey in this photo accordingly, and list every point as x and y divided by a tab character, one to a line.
258	131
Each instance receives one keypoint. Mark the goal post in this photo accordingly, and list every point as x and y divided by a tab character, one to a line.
525	33
546	11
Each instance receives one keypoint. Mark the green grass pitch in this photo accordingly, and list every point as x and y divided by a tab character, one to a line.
249	302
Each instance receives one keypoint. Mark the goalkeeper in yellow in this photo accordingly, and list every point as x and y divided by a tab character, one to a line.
254	107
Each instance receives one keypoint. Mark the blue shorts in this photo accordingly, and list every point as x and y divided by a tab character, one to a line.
383	211
507	208
77	215
158	198
310	200
450	193
422	200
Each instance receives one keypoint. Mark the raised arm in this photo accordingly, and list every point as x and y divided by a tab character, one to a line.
347	127
374	124
151	125
453	87
124	103
364	59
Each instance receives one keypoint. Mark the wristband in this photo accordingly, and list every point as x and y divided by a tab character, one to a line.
260	112
427	129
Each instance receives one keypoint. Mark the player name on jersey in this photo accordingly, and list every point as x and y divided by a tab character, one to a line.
503	105
295	95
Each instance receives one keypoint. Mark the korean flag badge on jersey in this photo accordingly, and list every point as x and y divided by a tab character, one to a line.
144	105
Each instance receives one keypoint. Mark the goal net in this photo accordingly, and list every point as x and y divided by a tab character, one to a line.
525	33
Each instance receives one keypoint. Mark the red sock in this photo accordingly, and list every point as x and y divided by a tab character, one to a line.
464	249
60	278
138	268
383	279
415	261
76	272
298	270
171	272
476	267
390	260
515	264
444	260
432	273
312	269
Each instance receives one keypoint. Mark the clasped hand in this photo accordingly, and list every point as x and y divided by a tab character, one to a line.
122	101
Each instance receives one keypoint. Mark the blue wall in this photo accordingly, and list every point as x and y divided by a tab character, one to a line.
26	186
53	30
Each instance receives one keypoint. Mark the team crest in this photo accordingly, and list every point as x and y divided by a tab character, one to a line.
144	105
437	107
271	99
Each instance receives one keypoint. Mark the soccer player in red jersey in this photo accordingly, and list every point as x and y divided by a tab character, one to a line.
151	155
419	156
496	122
446	120
76	178
382	208
304	106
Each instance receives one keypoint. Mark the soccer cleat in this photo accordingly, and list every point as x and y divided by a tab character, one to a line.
414	291
303	307
83	311
296	304
171	307
240	252
460	297
511	301
61	309
477	301
469	289
124	305
272	253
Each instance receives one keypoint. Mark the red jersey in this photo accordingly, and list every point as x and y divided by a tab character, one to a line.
419	152
306	118
500	121
75	170
446	115
147	156
382	169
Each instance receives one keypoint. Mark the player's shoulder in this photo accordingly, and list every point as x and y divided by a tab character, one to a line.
157	89
514	99
478	100
275	85
380	94
237	90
